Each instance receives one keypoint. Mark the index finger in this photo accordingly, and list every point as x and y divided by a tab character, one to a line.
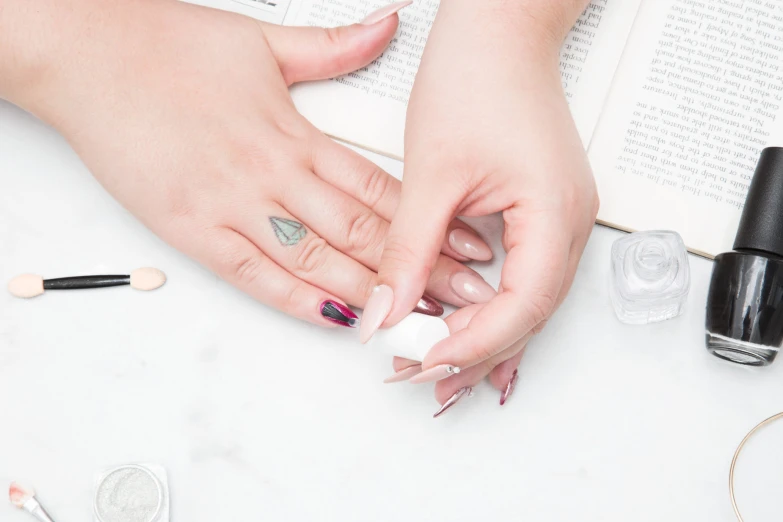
533	275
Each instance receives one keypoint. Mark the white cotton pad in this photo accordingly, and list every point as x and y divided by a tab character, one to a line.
411	338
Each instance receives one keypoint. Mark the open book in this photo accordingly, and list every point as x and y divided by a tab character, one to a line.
673	99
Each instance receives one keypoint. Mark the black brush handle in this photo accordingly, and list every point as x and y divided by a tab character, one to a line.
75	283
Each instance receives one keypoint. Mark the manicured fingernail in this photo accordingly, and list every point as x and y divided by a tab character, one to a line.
454	399
385	12
338	313
469	245
404	374
429	306
376	311
471	287
512	383
437	373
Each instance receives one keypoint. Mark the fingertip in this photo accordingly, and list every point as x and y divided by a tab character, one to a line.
460	319
400	363
468	244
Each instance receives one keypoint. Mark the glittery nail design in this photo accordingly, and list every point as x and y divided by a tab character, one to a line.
429	306
512	383
338	313
454	399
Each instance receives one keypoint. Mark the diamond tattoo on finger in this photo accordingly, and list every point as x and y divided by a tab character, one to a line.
288	231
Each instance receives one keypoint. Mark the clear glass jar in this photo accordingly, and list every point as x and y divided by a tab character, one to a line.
650	277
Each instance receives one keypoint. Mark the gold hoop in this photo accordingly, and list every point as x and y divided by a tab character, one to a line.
736	456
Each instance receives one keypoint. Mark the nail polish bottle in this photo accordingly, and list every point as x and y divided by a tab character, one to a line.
650	277
745	301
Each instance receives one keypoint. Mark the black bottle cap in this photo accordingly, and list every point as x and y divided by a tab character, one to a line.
761	226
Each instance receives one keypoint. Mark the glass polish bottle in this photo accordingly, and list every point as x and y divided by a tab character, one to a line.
745	301
650	277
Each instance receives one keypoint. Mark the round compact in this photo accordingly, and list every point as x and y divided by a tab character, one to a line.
131	493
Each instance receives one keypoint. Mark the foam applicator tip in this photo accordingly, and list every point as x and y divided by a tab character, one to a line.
26	286
147	278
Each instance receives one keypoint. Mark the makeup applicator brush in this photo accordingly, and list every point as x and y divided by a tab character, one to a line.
31	285
25	499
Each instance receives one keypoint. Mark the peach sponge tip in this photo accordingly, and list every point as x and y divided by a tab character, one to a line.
26	285
147	278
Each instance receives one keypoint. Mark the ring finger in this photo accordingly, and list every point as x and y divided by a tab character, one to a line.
306	255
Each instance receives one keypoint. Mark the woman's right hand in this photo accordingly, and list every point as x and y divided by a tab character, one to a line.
183	114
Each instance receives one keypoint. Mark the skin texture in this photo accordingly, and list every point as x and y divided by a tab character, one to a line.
183	114
499	138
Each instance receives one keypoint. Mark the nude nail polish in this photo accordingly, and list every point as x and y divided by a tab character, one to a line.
404	374
454	399
438	373
429	306
471	287
512	383
468	244
376	311
338	313
385	12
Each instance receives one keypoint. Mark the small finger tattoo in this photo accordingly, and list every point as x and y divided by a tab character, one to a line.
288	231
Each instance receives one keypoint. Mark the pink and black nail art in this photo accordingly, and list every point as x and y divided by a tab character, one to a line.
338	313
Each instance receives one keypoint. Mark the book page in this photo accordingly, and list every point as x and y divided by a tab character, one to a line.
272	11
696	98
368	107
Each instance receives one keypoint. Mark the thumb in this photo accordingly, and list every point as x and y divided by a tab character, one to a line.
314	53
411	250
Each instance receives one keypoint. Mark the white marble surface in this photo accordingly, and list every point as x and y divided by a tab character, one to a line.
258	416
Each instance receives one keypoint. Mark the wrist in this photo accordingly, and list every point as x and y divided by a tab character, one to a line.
44	46
27	33
536	28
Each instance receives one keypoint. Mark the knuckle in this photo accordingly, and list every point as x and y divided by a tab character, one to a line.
398	256
366	286
250	156
484	352
364	231
244	269
489	364
541	306
537	329
294	299
373	186
332	36
311	256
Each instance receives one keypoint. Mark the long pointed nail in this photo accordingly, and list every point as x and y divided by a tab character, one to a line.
512	383
429	306
454	399
469	245
338	313
376	311
385	12
404	374
438	373
471	287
